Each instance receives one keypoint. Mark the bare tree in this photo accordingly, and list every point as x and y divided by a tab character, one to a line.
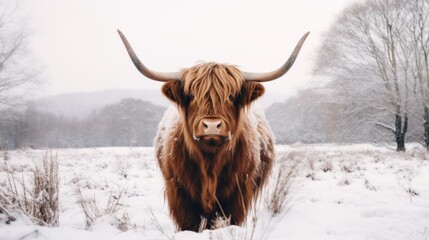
366	55
418	31
17	71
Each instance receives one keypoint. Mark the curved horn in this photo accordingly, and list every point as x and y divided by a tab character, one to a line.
269	76
157	76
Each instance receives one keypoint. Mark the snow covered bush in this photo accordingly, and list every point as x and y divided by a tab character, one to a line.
113	212
405	176
37	200
327	166
278	191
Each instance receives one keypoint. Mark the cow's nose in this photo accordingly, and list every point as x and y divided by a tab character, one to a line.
212	126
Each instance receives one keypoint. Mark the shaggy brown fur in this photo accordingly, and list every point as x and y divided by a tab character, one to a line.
205	182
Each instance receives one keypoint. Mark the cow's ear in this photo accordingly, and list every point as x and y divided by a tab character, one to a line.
173	90
250	92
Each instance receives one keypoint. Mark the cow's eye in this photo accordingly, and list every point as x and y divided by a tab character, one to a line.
230	97
192	96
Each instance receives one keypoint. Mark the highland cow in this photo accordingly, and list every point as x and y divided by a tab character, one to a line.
214	148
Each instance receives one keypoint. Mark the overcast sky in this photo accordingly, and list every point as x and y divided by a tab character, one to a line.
77	43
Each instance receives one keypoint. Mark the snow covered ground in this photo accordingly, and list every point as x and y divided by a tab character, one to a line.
339	192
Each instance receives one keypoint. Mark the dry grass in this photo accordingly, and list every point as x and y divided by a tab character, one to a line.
38	200
161	229
113	208
278	192
221	222
405	177
369	186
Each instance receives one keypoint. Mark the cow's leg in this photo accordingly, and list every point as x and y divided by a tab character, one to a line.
236	206
185	212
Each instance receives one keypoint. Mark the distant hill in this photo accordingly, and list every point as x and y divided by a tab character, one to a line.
81	105
131	122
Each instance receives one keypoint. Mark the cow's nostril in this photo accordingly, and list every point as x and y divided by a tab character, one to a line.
218	126
205	125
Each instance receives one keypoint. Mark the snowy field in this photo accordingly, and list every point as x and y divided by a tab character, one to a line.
339	192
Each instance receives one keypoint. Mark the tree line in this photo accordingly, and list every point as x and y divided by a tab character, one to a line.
130	122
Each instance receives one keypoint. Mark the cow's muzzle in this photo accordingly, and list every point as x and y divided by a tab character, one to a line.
212	131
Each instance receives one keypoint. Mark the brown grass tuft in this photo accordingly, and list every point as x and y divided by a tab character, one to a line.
39	200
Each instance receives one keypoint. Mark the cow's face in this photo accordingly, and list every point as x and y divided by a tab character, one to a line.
211	98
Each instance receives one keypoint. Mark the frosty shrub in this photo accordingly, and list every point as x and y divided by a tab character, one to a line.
344	181
369	186
405	177
278	190
327	166
311	168
45	191
221	222
347	167
37	200
113	208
